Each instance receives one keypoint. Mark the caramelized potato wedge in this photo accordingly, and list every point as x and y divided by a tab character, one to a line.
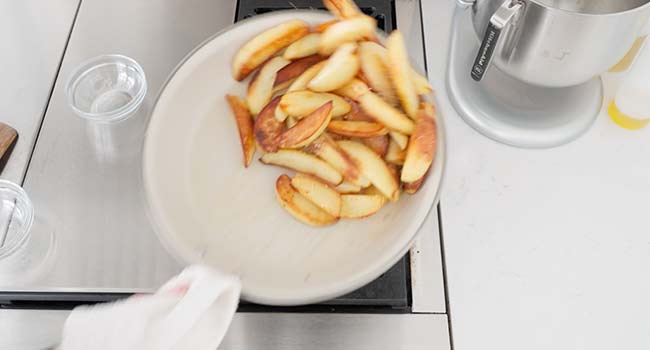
304	163
267	128
325	148
303	47
400	72
301	81
353	90
319	193
386	114
266	44
394	154
299	206
346	31
355	206
244	121
422	85
421	150
348	187
308	128
260	89
353	128
323	26
379	144
373	168
401	139
340	68
413	187
301	103
289	73
373	65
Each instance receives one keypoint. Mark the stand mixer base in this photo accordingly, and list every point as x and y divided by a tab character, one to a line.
510	111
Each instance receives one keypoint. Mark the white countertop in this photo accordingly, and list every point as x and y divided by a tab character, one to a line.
544	248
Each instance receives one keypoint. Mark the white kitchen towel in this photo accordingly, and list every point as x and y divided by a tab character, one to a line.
191	311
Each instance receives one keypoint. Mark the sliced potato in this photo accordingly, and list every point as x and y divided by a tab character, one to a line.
354	128
260	89
303	47
244	121
342	8
357	113
298	206
323	26
325	148
422	145
401	139
340	68
394	154
301	81
304	163
354	206
400	72
422	85
353	89
413	187
308	128
374	191
293	70
291	122
386	114
372	167
266	44
301	103
319	193
373	66
267	128
348	187
379	144
346	31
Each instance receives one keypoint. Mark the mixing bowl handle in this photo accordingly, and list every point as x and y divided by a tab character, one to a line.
501	18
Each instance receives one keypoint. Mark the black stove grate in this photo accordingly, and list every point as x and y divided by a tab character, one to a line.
381	10
392	289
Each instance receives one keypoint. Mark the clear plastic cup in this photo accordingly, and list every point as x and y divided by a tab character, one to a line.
16	218
107	88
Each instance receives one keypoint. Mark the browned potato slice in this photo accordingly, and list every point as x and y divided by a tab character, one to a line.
356	206
301	82
266	44
347	187
353	89
373	168
340	68
401	139
394	154
413	187
346	31
379	144
386	114
304	163
300	103
342	8
319	193
328	150
267	128
422	145
354	128
400	73
298	206
373	65
260	89
308	128
244	121
293	70
280	115
303	47
356	113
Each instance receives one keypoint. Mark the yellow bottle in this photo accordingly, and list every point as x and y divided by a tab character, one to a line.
631	106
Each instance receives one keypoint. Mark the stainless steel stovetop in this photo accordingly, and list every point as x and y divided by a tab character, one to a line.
92	240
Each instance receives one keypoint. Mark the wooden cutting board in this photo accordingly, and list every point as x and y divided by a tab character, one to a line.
7	137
